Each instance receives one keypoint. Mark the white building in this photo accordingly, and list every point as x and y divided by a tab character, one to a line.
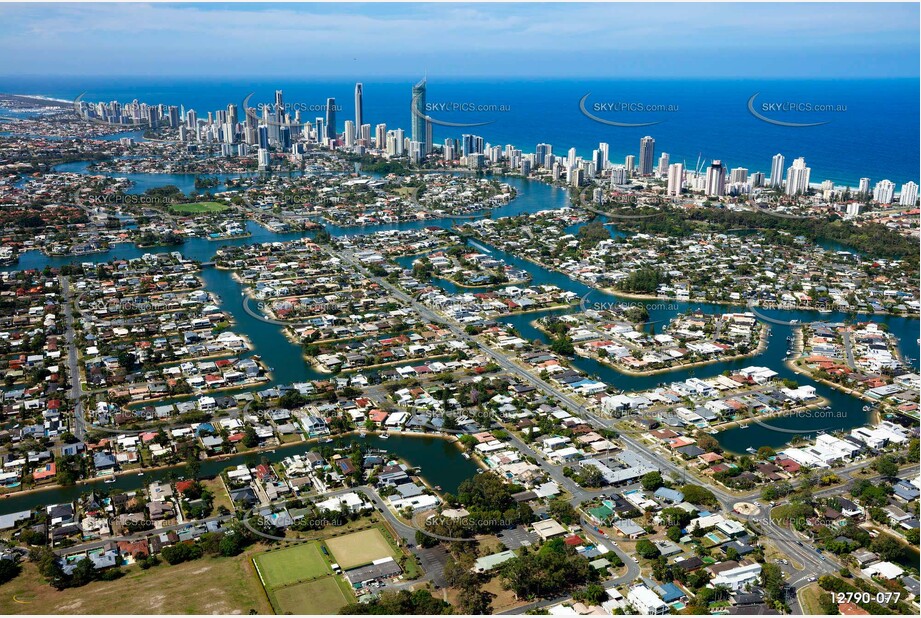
797	177
646	602
738	578
909	194
883	191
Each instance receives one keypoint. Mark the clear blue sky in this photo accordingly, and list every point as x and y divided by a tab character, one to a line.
522	40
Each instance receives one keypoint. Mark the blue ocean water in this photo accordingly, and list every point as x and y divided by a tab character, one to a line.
873	131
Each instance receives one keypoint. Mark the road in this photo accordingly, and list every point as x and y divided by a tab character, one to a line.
73	367
848	348
813	564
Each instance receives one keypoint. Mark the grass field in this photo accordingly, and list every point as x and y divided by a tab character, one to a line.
198	207
287	566
809	600
322	596
205	586
358	548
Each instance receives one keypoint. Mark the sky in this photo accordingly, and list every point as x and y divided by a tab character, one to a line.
529	40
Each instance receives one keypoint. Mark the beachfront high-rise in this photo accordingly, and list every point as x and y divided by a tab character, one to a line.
864	188
331	118
359	107
716	179
675	179
419	118
777	162
797	177
663	164
883	191
647	152
909	194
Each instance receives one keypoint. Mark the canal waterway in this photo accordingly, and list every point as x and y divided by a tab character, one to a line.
441	462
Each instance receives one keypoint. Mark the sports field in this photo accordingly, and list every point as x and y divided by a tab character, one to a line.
287	566
198	207
322	596
358	548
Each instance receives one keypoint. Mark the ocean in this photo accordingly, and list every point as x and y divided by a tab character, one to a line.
870	126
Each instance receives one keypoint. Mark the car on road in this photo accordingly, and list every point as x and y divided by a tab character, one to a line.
812	579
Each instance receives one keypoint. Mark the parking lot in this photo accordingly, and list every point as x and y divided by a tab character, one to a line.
518	537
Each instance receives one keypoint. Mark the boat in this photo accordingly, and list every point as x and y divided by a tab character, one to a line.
362	433
140	474
466	455
743	426
327	440
750	450
383	436
111	480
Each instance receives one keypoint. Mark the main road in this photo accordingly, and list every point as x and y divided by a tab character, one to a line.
73	367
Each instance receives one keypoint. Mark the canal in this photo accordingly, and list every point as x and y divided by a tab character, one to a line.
441	462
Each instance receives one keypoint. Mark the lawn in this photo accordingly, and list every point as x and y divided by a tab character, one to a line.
198	207
809	600
358	548
205	586
322	596
288	566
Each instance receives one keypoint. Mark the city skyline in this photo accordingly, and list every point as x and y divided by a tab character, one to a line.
762	39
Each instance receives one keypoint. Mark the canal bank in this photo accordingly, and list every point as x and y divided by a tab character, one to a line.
288	365
440	460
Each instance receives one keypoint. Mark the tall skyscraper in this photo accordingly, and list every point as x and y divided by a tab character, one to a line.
797	177
909	194
321	129
541	153
597	159
471	144
864	188
419	116
173	117
380	136
279	105
716	179
675	179
348	133
605	149
331	118
647	152
883	191
263	137
738	174
571	158
663	164
777	162
630	163
359	107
